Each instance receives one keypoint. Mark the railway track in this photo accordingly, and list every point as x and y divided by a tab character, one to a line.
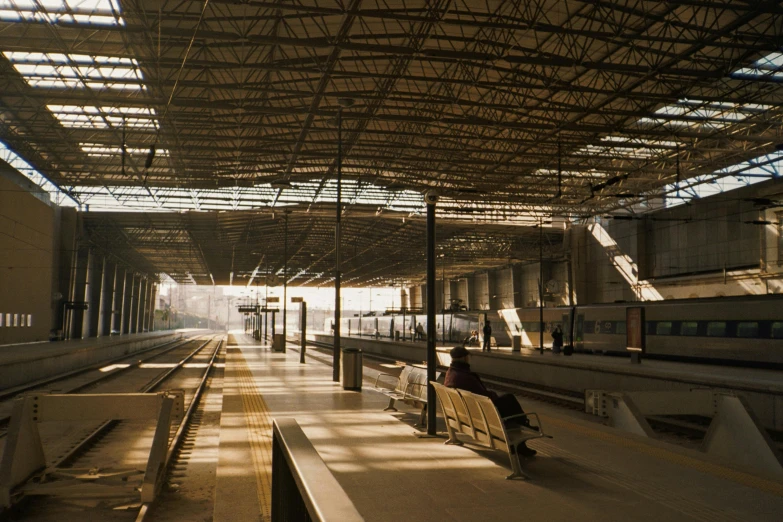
114	444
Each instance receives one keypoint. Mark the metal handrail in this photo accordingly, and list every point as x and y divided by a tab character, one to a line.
295	460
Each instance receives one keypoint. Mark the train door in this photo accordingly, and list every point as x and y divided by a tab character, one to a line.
566	327
579	341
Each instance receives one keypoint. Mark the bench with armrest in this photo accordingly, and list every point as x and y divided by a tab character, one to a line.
477	417
410	387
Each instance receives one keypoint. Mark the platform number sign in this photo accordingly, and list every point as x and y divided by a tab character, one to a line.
634	332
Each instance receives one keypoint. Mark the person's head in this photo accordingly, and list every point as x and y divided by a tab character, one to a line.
557	328
459	353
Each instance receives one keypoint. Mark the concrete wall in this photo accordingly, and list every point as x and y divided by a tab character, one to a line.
26	260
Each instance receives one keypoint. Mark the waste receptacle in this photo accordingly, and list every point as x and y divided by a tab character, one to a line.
516	343
278	343
352	369
396	335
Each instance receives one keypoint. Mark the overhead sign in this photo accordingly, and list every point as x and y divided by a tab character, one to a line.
297	299
272	299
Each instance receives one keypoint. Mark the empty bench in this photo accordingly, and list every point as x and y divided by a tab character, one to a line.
410	387
477	417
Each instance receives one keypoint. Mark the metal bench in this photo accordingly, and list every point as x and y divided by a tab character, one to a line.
477	417
410	387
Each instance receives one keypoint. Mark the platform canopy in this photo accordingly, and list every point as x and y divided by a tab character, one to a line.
516	112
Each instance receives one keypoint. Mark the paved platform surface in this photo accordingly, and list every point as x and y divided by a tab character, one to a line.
587	472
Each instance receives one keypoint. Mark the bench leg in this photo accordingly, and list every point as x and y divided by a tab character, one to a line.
516	468
390	407
422	417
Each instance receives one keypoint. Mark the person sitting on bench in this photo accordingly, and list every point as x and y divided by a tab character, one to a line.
459	376
472	339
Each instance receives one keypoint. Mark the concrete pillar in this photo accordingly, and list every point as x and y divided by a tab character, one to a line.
152	305
127	302
79	293
94	290
118	299
134	310
107	287
143	296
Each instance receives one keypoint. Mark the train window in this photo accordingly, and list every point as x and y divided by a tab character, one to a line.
619	327
588	327
689	328
748	329
776	332
663	328
716	329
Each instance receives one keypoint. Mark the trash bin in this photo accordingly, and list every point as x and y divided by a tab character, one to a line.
396	335
516	343
352	369
278	343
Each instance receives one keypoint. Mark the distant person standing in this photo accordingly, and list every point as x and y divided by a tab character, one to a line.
419	332
487	336
557	340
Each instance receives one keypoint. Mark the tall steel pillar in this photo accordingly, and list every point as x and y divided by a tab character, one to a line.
432	332
285	282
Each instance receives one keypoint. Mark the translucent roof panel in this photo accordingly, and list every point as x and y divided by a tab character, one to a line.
101	150
77	71
97	12
75	116
25	169
736	176
771	66
705	114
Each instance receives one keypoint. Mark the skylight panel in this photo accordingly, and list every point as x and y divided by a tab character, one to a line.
28	171
75	116
768	67
100	150
96	12
700	113
52	70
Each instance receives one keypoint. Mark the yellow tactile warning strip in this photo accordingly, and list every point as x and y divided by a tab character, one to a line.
259	431
745	479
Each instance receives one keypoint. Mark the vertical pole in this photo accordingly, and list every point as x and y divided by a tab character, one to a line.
303	330
285	282
431	331
337	238
541	287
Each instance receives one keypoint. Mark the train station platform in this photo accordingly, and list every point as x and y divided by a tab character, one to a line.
580	372
586	472
29	362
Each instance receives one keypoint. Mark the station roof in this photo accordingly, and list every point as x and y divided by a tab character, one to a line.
516	112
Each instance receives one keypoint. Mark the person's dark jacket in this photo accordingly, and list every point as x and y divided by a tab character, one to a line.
459	376
487	330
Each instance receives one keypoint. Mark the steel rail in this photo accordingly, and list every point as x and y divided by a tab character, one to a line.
120	371
12	392
109	425
179	436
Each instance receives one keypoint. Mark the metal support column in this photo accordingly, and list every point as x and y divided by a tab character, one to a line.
303	330
337	241
541	287
107	293
432	407
93	296
285	281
